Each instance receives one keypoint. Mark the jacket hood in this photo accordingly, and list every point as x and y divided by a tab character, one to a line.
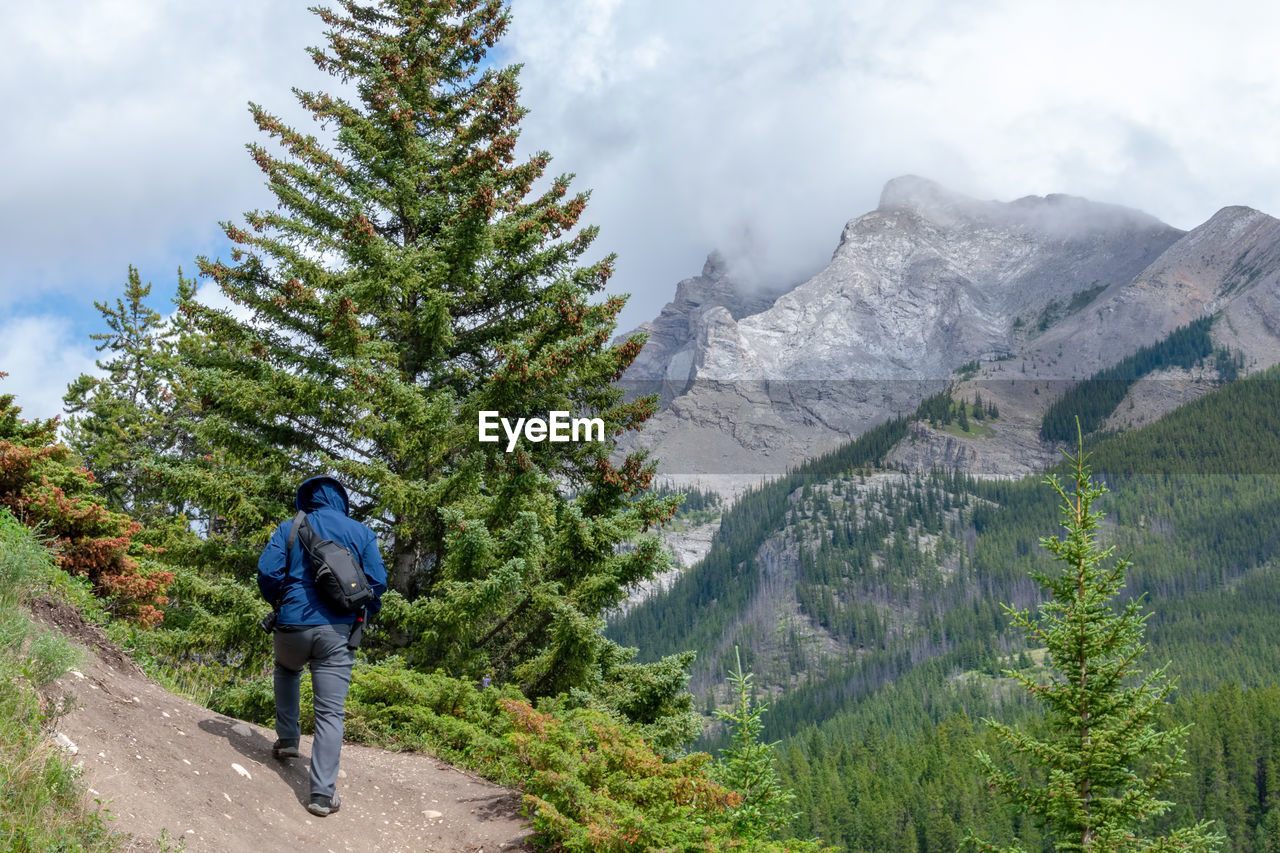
322	492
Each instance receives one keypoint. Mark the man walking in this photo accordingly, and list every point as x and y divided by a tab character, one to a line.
309	631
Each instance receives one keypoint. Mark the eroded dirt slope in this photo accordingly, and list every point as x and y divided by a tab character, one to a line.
160	764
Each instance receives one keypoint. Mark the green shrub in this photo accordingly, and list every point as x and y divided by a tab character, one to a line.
593	786
209	641
254	700
399	708
653	697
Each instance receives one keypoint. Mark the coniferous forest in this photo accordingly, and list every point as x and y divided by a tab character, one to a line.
908	573
1094	399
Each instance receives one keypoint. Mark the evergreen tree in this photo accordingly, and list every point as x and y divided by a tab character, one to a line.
747	764
124	420
1102	760
410	278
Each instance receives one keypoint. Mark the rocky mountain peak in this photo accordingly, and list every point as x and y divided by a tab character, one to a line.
915	194
1054	216
930	201
713	286
713	299
1235	220
1234	238
716	265
929	280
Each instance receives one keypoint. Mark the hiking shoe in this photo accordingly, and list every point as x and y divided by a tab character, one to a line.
283	749
323	806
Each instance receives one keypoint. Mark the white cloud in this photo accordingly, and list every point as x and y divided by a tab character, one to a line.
752	125
42	355
125	126
209	293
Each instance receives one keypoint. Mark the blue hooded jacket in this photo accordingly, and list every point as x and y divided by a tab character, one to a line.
288	576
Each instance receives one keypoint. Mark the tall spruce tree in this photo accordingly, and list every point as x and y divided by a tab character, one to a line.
122	421
411	277
1097	769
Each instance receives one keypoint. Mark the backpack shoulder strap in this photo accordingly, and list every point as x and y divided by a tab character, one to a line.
298	520
301	517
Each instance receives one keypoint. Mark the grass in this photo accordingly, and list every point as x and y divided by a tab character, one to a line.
977	429
42	800
697	517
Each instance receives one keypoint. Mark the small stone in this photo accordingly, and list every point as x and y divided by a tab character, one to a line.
242	730
76	673
432	814
241	771
66	743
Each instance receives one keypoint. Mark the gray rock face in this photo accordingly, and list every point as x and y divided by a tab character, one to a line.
932	279
666	364
929	280
1011	453
1231	263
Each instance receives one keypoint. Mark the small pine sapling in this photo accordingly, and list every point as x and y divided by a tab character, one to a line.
1098	769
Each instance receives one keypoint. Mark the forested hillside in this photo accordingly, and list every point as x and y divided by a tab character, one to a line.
889	641
1094	399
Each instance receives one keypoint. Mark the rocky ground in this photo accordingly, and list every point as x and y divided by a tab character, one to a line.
176	776
1159	393
687	544
1010	449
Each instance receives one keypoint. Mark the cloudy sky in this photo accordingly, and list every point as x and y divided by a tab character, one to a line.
754	126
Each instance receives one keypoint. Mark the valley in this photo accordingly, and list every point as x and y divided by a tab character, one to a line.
865	572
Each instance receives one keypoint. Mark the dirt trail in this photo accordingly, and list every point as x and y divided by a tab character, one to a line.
159	763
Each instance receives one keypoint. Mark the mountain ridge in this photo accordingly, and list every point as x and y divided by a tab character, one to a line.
1043	288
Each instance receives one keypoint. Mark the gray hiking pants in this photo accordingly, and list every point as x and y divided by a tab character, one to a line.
324	647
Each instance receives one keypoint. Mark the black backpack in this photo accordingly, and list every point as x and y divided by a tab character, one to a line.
339	578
